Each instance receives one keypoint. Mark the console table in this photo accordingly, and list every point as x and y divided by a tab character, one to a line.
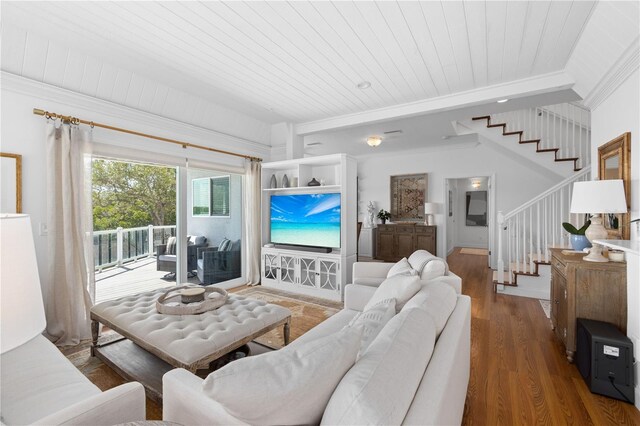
582	289
397	240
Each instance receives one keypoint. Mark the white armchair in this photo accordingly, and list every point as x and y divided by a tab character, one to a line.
39	385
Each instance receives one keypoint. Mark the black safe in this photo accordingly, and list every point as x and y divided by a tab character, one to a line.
605	359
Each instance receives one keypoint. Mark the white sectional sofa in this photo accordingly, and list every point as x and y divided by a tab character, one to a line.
439	339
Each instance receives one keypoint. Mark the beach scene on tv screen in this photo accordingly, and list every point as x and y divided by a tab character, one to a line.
306	219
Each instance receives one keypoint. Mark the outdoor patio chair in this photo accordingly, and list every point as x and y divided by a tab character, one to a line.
215	265
167	261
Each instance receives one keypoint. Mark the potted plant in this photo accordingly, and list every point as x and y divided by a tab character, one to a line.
384	215
578	240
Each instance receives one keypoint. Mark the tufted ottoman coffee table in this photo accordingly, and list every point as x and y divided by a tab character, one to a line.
187	341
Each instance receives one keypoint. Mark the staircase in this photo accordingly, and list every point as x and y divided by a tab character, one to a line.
558	133
526	234
562	134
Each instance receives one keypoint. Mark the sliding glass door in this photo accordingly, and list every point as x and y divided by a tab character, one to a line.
214	215
157	225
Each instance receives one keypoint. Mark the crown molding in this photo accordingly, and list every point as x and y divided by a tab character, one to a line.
125	116
537	85
626	65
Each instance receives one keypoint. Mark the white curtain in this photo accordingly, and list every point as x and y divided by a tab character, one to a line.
70	289
253	206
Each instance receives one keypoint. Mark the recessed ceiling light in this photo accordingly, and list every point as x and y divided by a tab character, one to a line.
364	85
374	141
501	101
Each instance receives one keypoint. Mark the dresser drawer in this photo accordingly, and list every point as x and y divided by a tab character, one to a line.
405	229
559	266
427	230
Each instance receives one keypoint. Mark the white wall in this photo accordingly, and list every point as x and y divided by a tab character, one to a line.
452	186
468	236
514	183
617	114
23	133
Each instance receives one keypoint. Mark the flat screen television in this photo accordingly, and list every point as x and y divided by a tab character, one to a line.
306	220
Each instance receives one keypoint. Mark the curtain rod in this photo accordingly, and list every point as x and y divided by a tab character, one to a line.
75	120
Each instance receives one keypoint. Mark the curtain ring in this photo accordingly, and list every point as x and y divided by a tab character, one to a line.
91	124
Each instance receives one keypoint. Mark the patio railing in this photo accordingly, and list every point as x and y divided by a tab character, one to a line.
117	246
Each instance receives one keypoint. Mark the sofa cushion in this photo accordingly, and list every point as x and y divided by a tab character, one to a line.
401	268
329	326
438	300
400	287
379	388
288	386
428	265
373	320
37	380
167	257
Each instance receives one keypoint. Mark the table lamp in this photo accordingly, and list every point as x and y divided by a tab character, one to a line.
429	210
595	197
22	310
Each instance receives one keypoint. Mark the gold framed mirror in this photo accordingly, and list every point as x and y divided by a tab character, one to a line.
614	162
11	170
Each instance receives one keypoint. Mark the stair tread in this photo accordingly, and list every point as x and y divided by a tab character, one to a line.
531	141
567	159
548	150
517	268
519	132
483	117
505	278
496	125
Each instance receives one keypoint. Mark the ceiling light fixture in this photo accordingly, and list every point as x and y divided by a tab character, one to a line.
374	141
501	101
476	183
364	85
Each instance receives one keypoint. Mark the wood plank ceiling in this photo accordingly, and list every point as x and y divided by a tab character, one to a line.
293	61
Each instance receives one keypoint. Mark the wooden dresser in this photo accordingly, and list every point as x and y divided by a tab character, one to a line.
581	289
398	240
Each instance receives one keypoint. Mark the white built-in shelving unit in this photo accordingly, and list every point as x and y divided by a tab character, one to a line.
297	270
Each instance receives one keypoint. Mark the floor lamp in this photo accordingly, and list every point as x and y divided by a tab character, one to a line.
596	197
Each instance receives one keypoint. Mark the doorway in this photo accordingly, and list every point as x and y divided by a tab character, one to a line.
469	215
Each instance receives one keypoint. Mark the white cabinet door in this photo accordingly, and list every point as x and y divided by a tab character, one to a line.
307	272
270	266
328	274
287	269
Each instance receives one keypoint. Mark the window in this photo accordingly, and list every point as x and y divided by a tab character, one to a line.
201	199
211	196
220	196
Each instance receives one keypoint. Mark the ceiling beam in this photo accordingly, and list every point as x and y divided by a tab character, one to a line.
515	89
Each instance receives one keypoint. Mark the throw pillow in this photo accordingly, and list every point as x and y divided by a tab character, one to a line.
438	300
288	386
379	388
225	245
401	287
428	265
373	320
171	246
401	268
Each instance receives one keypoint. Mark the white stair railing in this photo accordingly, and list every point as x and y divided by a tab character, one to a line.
563	126
535	226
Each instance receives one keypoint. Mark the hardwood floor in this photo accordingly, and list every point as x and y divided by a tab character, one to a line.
519	374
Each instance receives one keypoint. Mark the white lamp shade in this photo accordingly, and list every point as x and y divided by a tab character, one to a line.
430	208
599	196
22	310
